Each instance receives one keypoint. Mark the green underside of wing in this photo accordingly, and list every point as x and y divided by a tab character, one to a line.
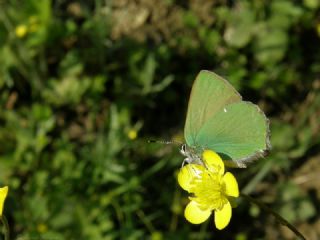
237	131
210	93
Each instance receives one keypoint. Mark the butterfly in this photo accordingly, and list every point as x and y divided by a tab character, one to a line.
218	119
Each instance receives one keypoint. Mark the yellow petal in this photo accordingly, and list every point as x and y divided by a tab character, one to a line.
231	183
3	195
187	174
213	160
222	217
194	214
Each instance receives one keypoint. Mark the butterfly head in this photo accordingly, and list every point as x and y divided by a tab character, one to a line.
191	155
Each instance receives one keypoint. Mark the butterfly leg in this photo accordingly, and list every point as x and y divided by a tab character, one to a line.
185	161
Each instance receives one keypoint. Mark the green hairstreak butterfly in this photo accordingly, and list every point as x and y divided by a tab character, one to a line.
218	119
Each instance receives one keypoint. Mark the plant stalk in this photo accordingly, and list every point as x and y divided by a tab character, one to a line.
6	227
276	215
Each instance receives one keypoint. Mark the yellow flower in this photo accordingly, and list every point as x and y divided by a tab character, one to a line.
3	195
42	228
21	31
132	134
211	190
33	24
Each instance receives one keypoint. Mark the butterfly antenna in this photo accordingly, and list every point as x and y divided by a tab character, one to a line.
165	142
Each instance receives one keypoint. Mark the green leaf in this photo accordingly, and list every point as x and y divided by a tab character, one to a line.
240	27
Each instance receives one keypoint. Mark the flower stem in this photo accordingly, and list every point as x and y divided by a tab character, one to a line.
6	227
276	215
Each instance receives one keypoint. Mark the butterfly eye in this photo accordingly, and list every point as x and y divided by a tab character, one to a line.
183	149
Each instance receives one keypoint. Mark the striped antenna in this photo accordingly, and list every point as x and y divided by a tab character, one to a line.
165	142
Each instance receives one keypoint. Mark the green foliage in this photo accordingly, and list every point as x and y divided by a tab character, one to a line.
79	80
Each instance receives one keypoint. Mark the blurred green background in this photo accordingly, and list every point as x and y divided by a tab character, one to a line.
85	85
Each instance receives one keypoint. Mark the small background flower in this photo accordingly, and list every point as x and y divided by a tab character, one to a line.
21	30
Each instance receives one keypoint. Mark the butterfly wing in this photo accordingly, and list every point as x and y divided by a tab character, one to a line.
209	94
240	132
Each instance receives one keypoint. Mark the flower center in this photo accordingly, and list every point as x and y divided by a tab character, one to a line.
209	191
